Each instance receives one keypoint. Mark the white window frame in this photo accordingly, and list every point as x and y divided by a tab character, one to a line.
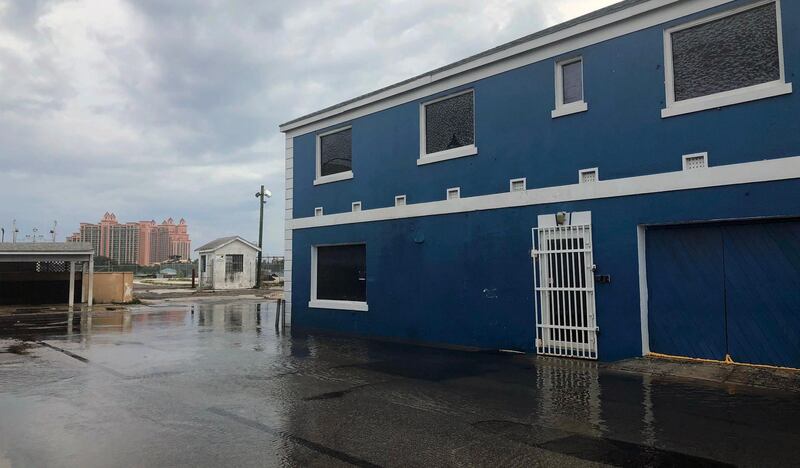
345	175
513	181
456	190
726	98
398	198
573	107
594	170
318	211
356	206
315	303
460	152
686	157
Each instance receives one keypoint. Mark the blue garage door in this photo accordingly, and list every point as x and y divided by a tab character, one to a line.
726	289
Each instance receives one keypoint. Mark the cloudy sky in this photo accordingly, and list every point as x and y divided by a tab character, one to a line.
169	108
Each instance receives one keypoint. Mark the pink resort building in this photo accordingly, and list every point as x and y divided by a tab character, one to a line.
142	242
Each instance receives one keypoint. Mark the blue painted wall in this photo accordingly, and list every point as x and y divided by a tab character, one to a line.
470	281
622	133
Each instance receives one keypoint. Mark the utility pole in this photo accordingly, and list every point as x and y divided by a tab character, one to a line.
261	195
14	231
53	231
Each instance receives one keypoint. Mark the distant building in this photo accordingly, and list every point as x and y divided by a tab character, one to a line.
228	263
142	243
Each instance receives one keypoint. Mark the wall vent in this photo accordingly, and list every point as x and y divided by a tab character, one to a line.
318	211
356	206
454	193
400	200
587	176
695	161
517	185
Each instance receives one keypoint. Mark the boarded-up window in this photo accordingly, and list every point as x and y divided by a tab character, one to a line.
733	52
572	81
202	263
449	123
336	152
342	273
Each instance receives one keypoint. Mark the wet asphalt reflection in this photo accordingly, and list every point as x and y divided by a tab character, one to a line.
214	384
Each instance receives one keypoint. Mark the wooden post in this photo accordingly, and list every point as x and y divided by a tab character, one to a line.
90	291
71	300
278	314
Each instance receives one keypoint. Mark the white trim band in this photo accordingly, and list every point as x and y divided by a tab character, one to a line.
717	176
338	305
728	98
333	177
460	152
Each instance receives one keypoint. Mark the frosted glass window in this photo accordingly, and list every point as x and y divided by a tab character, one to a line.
336	152
733	52
449	123
572	81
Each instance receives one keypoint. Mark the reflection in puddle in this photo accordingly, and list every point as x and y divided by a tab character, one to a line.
187	371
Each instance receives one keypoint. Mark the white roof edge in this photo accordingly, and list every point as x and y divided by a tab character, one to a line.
226	243
483	60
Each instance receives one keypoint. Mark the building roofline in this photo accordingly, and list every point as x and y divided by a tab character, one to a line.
492	55
205	247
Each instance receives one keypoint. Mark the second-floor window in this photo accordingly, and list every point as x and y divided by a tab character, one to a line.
569	87
334	155
725	59
447	128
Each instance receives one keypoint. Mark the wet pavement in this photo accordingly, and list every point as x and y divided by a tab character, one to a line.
213	384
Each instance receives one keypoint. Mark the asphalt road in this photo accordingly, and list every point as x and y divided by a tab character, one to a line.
213	384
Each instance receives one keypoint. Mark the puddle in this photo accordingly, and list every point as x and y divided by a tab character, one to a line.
21	348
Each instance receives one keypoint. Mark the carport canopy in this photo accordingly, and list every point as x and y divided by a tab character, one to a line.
68	252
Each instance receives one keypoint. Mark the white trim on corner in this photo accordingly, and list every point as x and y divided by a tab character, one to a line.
775	88
453	153
717	176
562	109
326	179
515	181
641	238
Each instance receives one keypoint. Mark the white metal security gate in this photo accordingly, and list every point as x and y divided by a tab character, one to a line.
566	322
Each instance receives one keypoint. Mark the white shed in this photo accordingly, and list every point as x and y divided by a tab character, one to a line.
227	263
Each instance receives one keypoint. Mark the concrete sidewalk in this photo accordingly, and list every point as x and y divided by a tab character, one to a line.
723	373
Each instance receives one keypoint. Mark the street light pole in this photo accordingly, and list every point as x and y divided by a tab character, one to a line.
261	195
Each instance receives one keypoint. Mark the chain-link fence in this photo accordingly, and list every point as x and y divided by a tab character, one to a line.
164	270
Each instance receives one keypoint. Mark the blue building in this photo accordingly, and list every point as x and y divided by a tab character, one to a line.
624	183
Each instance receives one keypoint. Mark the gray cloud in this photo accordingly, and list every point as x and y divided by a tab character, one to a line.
154	109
